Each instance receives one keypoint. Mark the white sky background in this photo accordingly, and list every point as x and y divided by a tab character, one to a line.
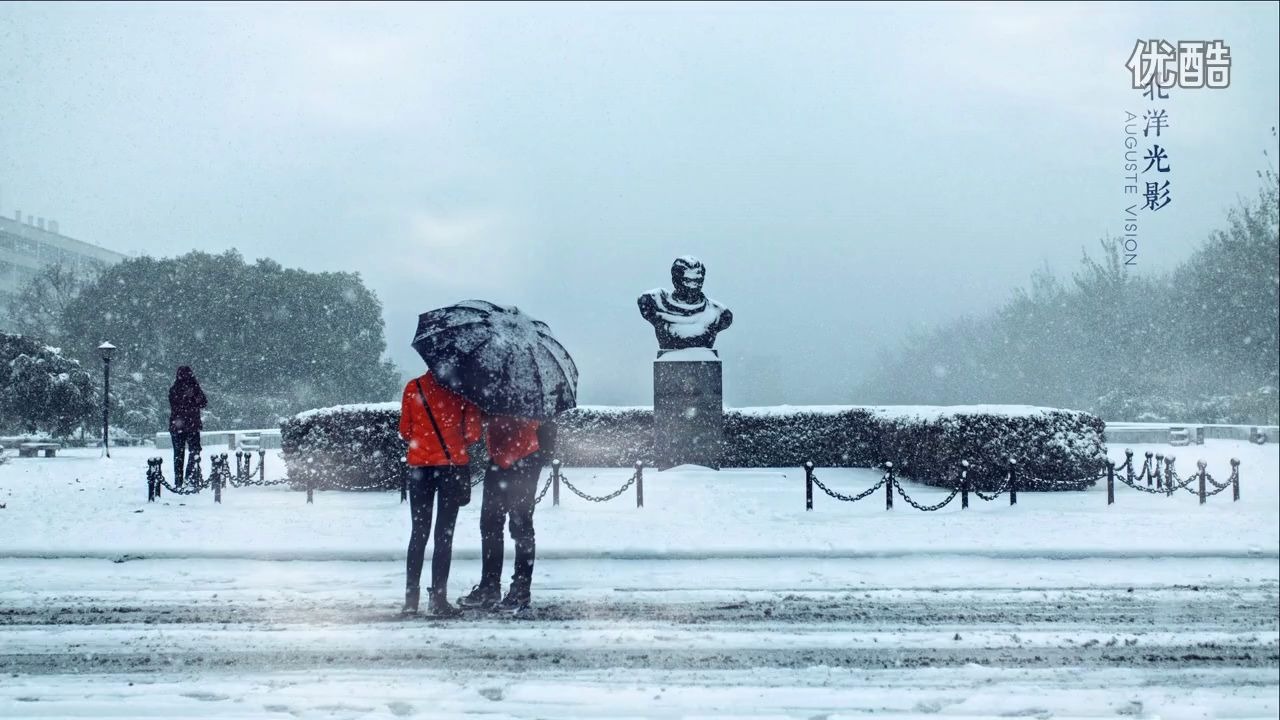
846	172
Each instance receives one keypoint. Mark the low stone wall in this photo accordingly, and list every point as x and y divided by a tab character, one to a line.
1158	433
268	439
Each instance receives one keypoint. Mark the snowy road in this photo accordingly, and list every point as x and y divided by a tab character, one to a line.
722	598
1074	638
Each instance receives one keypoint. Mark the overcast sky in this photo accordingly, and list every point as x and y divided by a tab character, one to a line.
847	173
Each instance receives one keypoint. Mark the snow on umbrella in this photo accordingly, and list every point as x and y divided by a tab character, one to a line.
504	361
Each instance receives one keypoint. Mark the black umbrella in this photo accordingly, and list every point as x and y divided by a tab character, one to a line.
504	361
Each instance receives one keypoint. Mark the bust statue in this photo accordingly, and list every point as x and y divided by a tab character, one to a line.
684	318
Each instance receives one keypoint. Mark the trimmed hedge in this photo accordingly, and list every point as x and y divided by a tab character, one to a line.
359	447
346	447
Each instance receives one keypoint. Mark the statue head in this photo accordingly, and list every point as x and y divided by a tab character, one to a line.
687	275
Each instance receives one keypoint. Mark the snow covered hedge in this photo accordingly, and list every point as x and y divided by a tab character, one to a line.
349	446
352	446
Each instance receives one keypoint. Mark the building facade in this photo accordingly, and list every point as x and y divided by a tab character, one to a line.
26	247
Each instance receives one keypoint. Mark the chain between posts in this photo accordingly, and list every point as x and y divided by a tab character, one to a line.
1166	480
600	498
545	486
925	508
837	495
156	481
890	482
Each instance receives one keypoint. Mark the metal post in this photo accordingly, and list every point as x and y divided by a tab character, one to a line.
219	465
159	477
262	465
1235	479
964	484
1158	471
639	484
1201	464
808	485
1013	481
888	487
555	482
106	405
1168	471
1111	483
151	480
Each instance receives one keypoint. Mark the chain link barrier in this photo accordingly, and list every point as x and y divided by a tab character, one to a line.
1004	487
246	475
1167	481
545	487
849	498
155	478
1141	488
599	498
925	508
1160	476
1161	479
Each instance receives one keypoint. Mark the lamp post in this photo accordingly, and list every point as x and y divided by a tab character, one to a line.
106	350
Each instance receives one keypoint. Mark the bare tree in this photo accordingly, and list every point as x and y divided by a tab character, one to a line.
39	307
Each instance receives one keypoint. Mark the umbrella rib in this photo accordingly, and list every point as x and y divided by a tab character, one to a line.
533	362
570	380
570	372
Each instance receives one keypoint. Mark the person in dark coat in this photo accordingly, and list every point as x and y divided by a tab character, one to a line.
518	448
186	400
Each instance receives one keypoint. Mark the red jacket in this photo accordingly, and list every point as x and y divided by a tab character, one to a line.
457	418
511	438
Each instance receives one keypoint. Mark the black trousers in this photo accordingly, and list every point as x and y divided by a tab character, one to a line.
509	495
433	485
184	442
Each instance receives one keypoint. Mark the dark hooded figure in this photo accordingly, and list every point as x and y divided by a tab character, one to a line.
186	400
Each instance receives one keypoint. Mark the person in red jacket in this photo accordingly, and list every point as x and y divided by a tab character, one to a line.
438	424
518	447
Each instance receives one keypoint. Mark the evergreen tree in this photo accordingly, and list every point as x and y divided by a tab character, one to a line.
265	341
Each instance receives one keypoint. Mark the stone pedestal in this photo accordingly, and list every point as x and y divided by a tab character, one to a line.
688	410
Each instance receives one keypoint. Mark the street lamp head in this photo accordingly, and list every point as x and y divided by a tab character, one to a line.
106	350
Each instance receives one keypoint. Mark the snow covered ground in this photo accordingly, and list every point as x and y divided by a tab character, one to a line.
722	597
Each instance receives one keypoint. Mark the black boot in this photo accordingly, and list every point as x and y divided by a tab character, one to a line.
518	597
482	597
410	602
439	604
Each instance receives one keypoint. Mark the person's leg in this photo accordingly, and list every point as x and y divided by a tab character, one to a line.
522	495
447	483
179	440
446	520
420	498
493	515
193	451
